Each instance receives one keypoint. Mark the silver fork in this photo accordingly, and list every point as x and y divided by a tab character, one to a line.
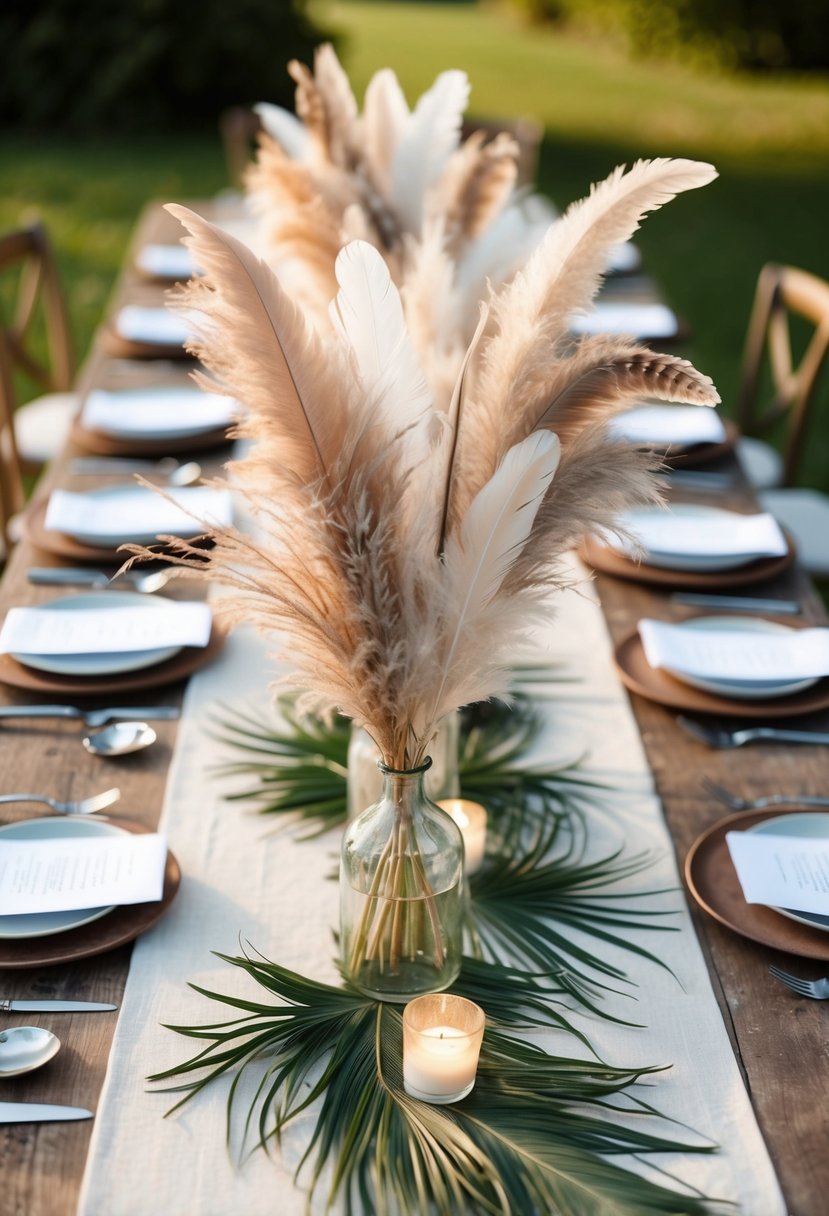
818	990
717	737
83	806
61	576
758	804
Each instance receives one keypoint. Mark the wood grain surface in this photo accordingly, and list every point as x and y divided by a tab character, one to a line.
779	1039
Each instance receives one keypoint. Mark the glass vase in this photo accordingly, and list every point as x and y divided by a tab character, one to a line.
365	781
401	892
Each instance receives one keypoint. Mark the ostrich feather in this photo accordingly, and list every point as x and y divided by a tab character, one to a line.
431	134
283	126
252	336
344	137
368	313
476	184
562	275
385	114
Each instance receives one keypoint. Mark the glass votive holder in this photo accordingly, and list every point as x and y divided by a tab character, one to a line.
471	819
442	1037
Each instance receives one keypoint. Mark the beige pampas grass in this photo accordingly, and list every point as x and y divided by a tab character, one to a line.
394	566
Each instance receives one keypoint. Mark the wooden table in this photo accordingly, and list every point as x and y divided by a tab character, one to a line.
779	1040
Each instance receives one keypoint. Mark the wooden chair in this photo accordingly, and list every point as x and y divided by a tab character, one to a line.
36	347
783	294
12	494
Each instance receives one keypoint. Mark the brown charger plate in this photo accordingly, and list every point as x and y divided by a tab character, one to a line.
101	444
188	660
60	544
704	453
608	561
712	881
656	685
122	925
127	348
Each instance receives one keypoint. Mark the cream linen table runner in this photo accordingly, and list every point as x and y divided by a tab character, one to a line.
245	881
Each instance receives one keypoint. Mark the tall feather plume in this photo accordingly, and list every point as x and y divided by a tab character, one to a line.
284	127
563	274
385	114
344	137
431	134
473	189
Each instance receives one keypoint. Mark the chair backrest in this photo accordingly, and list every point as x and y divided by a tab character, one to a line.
784	292
35	343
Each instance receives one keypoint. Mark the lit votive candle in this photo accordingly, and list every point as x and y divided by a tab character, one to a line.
441	1043
471	819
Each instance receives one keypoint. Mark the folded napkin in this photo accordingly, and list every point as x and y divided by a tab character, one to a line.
156	411
156	325
636	320
703	534
105	629
116	515
166	261
730	654
669	424
61	875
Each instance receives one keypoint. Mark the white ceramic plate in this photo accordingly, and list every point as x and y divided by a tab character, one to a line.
43	924
748	690
811	823
100	664
180	413
134	497
704	563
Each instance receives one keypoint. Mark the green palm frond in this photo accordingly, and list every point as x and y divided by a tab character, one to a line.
535	1134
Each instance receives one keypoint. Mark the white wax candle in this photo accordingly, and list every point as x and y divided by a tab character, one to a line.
440	1061
471	819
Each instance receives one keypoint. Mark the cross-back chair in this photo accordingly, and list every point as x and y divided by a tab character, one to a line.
37	350
36	353
785	294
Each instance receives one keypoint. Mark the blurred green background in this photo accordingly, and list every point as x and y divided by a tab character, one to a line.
600	105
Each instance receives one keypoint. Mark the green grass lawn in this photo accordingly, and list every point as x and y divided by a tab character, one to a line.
768	137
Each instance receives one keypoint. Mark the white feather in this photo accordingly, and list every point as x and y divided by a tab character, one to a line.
368	315
385	114
285	128
431	134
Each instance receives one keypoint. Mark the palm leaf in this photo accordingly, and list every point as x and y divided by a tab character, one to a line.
535	1134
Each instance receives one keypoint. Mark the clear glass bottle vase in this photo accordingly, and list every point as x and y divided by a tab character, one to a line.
365	780
401	892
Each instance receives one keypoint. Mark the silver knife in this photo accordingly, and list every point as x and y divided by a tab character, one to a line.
60	576
737	603
40	1112
50	1006
94	717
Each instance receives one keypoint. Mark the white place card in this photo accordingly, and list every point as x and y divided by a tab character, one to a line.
728	534
782	871
714	654
669	424
131	511
166	261
63	875
637	320
157	412
156	325
108	629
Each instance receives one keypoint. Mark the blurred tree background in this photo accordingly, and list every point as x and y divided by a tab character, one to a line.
145	65
753	35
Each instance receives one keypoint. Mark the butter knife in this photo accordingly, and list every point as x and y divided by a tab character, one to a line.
50	1006
94	717
737	603
40	1112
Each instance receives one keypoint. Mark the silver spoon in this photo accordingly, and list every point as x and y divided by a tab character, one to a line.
120	738
24	1048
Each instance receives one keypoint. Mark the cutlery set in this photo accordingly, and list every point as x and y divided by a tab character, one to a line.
25	1048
